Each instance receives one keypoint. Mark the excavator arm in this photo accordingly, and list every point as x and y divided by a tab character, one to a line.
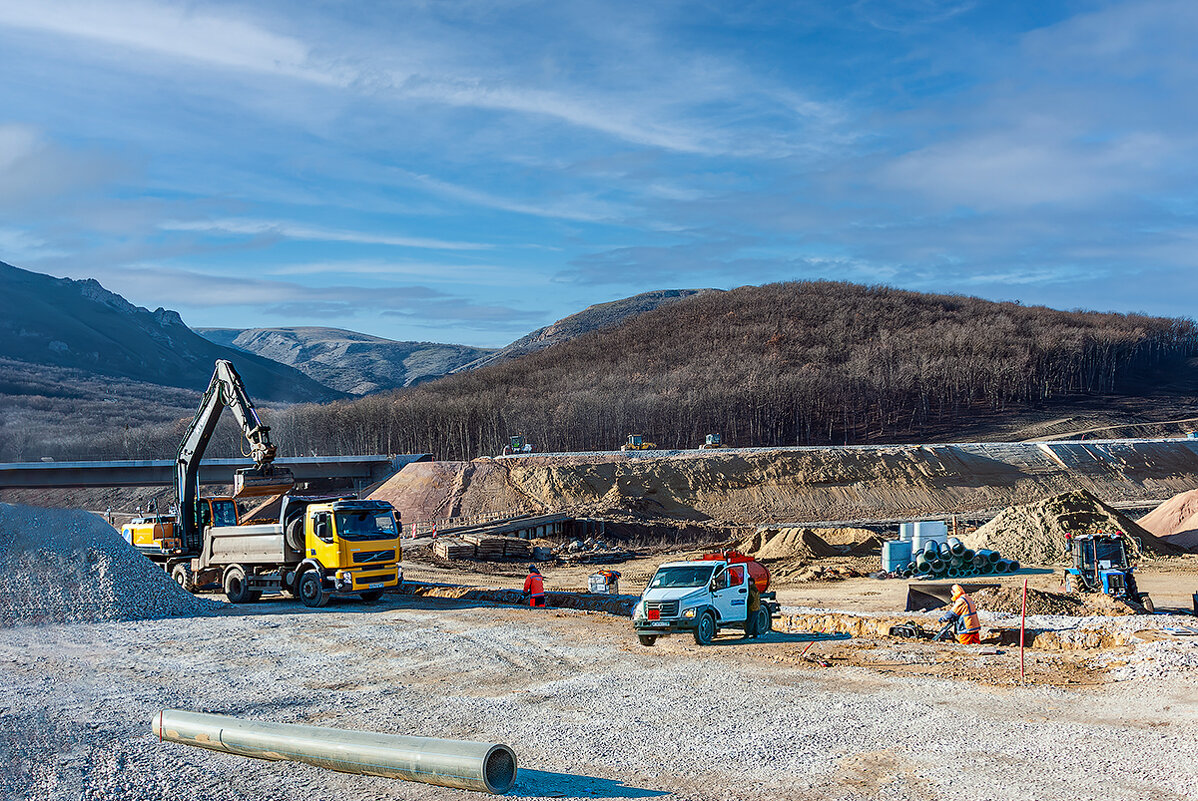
225	389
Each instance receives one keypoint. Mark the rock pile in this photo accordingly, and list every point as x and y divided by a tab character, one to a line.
60	566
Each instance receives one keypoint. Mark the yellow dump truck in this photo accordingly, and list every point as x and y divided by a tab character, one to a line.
159	537
319	547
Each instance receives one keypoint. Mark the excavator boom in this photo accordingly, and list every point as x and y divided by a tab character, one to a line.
264	478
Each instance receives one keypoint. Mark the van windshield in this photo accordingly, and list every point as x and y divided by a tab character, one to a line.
682	576
371	524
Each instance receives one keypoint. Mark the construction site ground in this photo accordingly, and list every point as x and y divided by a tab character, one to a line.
590	713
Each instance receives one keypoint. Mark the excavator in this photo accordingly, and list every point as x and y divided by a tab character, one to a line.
172	541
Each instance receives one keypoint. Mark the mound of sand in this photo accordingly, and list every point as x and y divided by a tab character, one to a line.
1009	599
1175	520
61	566
1035	533
789	544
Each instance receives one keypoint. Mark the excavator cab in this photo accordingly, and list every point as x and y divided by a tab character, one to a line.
262	481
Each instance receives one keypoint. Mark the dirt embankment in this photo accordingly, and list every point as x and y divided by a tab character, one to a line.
751	487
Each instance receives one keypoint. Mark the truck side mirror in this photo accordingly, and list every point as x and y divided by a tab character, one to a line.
322	530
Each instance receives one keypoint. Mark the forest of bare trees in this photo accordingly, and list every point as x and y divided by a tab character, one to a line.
784	364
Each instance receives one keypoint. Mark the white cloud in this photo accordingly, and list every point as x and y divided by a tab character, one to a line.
175	31
292	230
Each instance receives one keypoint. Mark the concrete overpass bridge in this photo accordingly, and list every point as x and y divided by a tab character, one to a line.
360	470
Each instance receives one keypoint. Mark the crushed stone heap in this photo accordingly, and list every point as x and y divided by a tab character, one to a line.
65	566
1034	533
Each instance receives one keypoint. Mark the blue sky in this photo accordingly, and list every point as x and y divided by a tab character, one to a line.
468	171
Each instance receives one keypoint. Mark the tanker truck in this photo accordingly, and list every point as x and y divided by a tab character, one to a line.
704	596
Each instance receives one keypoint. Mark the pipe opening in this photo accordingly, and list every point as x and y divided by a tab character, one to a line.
500	769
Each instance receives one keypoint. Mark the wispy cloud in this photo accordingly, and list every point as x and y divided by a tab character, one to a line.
292	230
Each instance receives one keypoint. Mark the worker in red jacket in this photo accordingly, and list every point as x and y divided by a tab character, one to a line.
534	587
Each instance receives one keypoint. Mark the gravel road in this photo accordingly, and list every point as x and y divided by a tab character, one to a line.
589	712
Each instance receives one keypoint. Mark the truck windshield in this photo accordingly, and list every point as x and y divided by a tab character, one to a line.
682	576
371	524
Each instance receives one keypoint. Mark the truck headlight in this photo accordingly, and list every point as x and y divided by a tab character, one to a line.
638	611
690	613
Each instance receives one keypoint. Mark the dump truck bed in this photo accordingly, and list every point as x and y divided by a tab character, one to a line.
244	545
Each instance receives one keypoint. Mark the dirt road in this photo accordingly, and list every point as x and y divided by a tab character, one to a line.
590	713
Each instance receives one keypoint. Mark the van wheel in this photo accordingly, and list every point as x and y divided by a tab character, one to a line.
705	630
765	622
647	639
310	591
237	588
1147	603
370	596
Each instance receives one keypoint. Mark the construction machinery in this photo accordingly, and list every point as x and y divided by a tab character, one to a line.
157	536
704	596
636	442
713	441
172	541
319	547
517	444
1100	562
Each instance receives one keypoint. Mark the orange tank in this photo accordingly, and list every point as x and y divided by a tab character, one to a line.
759	573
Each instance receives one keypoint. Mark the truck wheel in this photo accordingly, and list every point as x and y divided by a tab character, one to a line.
183	576
1147	603
705	630
237	588
765	622
311	593
647	639
370	596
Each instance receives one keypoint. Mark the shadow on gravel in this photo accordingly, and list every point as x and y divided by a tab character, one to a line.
777	637
543	784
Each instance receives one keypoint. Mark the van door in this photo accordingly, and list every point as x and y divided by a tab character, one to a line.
730	597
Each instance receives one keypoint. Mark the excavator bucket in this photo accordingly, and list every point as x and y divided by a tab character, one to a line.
255	482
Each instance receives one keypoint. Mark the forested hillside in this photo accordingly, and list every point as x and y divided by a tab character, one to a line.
783	364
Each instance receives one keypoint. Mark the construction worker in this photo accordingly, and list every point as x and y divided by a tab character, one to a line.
534	587
754	606
964	615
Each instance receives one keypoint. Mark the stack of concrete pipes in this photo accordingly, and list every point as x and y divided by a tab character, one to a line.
952	559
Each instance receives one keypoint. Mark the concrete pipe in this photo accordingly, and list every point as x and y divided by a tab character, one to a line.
993	556
956	546
485	767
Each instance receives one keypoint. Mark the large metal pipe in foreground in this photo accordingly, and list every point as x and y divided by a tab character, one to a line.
486	767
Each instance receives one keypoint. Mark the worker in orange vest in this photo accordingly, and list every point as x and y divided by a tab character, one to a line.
534	587
965	615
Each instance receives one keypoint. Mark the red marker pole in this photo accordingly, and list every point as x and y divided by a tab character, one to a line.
1022	629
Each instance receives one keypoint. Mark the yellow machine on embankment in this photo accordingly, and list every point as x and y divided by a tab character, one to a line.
636	442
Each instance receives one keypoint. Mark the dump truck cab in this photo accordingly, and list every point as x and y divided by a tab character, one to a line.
703	596
319	547
1101	563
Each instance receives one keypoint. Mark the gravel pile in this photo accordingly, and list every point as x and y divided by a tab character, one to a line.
1154	660
63	566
